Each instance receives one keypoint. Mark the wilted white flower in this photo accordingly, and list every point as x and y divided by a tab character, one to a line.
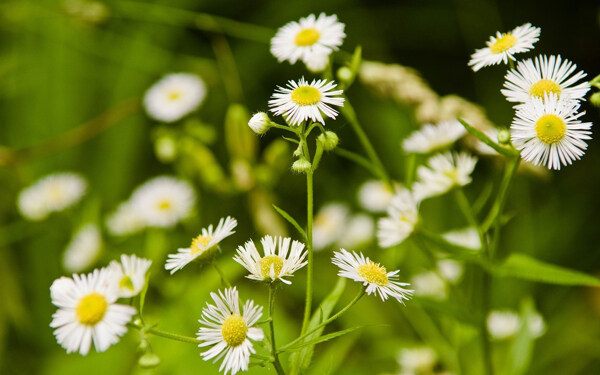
430	284
442	173
433	137
52	193
403	215
87	312
130	274
83	250
329	224
229	331
174	96
125	220
375	196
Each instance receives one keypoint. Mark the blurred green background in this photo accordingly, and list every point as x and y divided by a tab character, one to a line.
61	66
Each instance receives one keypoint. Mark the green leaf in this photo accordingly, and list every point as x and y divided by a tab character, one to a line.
457	251
239	138
522	347
524	267
143	293
292	221
485	139
324	338
300	360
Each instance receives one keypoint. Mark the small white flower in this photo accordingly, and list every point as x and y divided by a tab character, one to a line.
229	331
374	276
451	270
442	173
434	137
504	46
130	274
467	237
260	123
174	96
163	201
329	224
52	193
542	76
301	101
312	37
359	231
548	132
418	360
125	220
375	196
537	325
430	284
87	312
279	260
503	324
203	245
403	215
83	250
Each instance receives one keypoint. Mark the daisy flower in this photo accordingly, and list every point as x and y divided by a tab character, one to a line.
503	324
547	131
450	269
309	39
443	172
504	46
279	260
375	196
433	137
174	96
228	331
542	76
130	274
52	193
373	275
418	360
163	201
125	220
465	237
203	245
430	284
87	312
403	215
300	101
83	250
329	224
359	231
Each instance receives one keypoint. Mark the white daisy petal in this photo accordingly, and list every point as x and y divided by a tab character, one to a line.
403	215
442	173
433	137
174	96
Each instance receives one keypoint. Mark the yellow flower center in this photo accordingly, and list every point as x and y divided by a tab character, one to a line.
91	309
452	174
544	86
164	205
550	128
199	244
126	283
503	43
174	95
306	95
373	273
234	330
307	37
266	262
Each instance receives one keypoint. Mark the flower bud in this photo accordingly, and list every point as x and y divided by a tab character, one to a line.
260	123
344	74
149	360
595	99
301	166
504	136
165	149
329	140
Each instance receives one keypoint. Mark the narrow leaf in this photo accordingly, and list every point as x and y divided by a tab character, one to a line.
485	139
324	338
143	293
291	220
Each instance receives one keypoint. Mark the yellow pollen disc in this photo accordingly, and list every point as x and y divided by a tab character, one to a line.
307	37
91	309
544	86
550	128
503	43
174	95
452	174
126	283
199	244
373	273
234	330
164	205
266	262
306	95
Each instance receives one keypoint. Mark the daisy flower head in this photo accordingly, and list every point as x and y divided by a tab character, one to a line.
444	172
83	249
503	324
130	274
87	312
163	201
174	96
308	39
548	133
417	360
203	245
357	267
542	76
359	231
300	101
125	220
403	216
375	196
52	193
434	137
430	284
229	330
279	260
504	46
329	224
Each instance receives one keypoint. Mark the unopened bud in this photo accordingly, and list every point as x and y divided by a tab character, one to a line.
260	123
503	137
595	99
301	166
165	149
149	360
329	140
344	74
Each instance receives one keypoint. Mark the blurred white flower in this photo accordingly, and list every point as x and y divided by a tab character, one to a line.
403	215
83	249
433	137
466	237
537	325
52	193
163	201
503	324
430	284
375	196
130	274
451	270
442	173
87	312
359	231
329	224
174	96
417	360
125	220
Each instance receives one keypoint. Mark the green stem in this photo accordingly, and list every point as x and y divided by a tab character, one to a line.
485	336
309	246
348	112
229	71
468	212
221	273
172	336
511	63
274	352
360	160
411	164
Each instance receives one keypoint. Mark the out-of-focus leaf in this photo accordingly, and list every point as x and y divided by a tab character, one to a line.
330	361
524	267
323	338
265	220
143	293
291	220
241	141
522	347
